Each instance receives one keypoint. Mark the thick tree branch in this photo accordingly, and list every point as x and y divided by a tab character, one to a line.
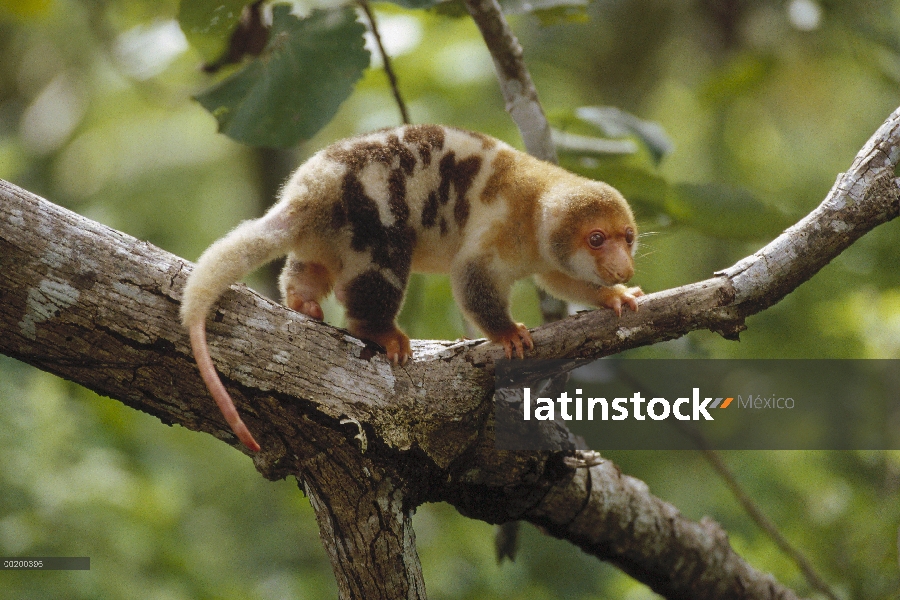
98	307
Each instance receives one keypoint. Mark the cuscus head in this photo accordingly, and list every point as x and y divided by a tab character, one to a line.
592	233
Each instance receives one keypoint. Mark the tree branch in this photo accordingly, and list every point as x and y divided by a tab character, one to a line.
521	96
98	307
766	524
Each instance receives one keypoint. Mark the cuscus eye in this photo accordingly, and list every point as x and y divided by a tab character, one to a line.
629	236
596	239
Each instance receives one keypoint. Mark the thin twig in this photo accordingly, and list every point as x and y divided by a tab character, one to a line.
386	61
744	499
764	523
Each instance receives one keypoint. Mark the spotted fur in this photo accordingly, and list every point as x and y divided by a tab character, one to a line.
358	217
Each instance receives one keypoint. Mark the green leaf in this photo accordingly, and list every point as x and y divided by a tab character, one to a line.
207	24
592	146
723	211
296	85
615	122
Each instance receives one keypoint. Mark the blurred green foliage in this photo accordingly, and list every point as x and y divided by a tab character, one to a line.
765	103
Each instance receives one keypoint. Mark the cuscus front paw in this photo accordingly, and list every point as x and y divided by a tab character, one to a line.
617	296
517	338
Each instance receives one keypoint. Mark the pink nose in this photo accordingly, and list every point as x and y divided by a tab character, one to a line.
620	273
625	273
617	274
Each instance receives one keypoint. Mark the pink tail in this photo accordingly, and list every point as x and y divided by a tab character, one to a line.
208	372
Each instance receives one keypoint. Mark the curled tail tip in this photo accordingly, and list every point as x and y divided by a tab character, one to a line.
214	384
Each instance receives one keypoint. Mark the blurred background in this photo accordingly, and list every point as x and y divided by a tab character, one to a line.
768	99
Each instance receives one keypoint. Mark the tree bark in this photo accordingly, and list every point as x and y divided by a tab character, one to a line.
365	524
371	441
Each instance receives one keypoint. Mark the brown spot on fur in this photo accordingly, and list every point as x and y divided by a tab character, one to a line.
356	156
426	139
391	246
460	175
487	142
338	215
430	210
462	181
397	196
374	302
360	154
485	304
407	160
361	211
362	215
446	172
501	173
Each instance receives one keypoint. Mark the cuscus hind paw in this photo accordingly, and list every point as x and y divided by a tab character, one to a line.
396	345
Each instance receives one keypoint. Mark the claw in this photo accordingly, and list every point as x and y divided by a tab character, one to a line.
617	296
518	339
395	343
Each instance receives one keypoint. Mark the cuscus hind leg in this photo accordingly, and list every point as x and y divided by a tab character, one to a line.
304	285
373	300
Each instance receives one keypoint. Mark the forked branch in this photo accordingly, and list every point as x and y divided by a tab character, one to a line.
100	308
